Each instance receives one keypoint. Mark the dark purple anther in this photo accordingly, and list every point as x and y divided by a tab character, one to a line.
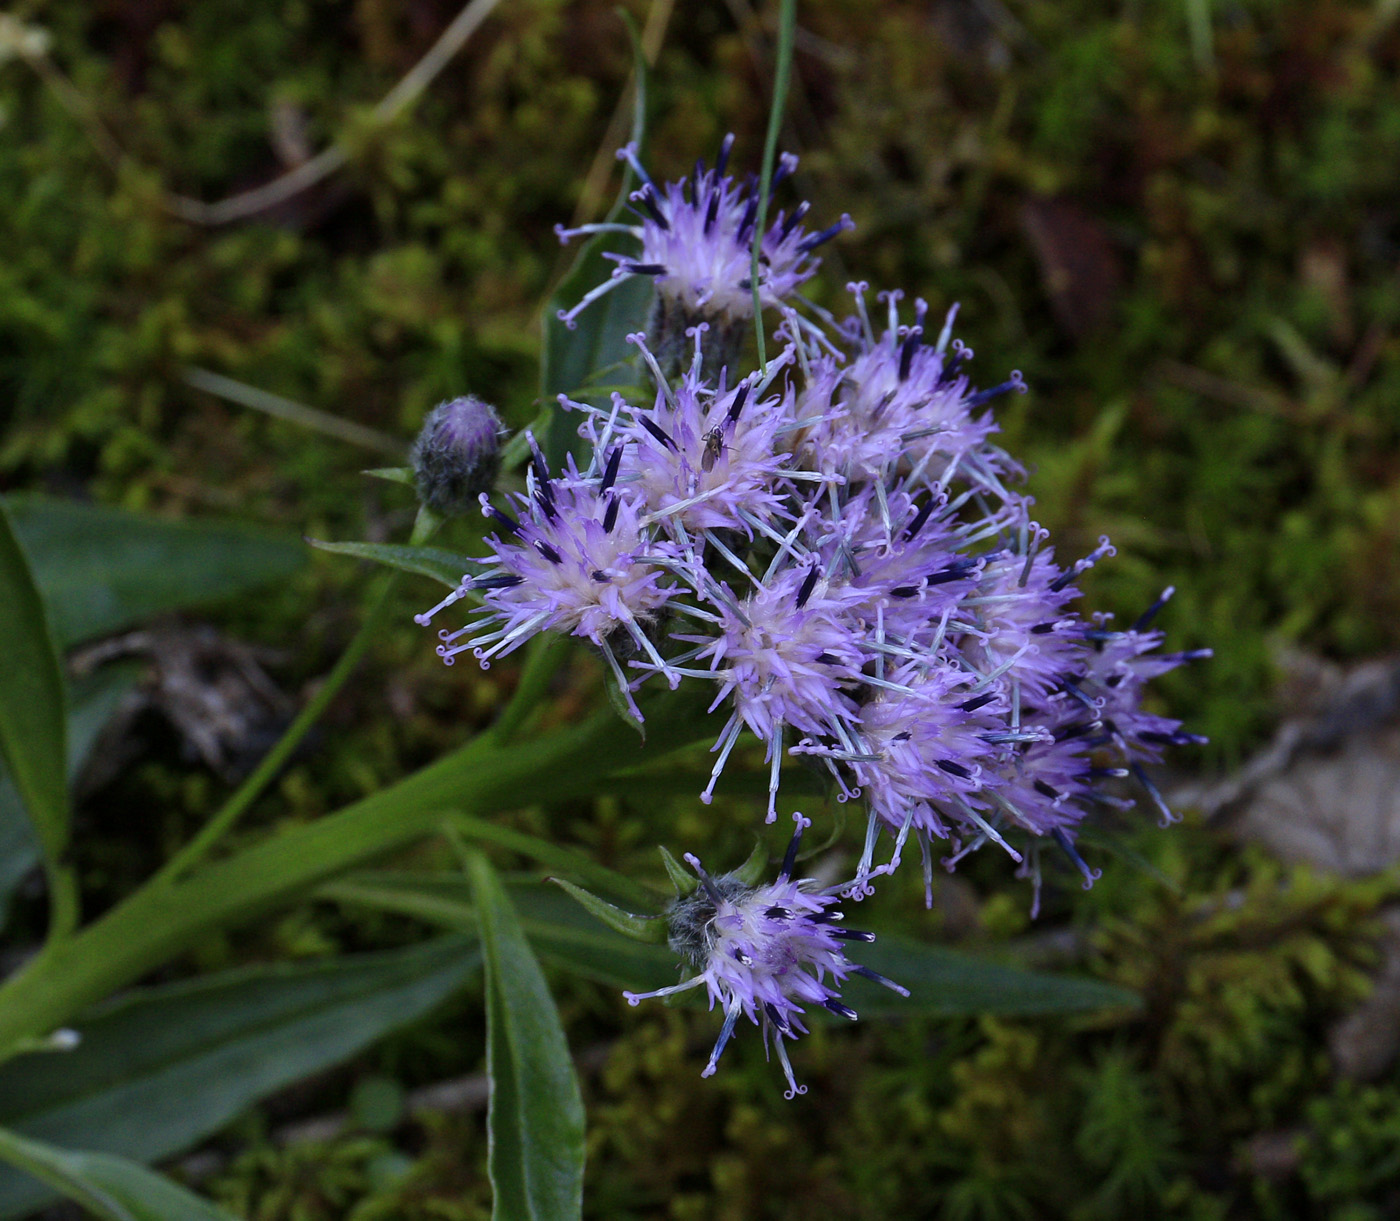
610	471
977	701
922	516
1151	612
659	433
790	856
504	581
746	222
906	352
796	217
1015	382
504	520
1067	847
741	396
647	198
813	240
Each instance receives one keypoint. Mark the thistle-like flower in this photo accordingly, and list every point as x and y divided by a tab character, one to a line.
577	560
764	952
695	239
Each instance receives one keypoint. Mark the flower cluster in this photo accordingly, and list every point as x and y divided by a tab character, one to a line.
835	545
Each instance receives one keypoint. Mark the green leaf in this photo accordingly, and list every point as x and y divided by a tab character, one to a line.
392	474
161	1068
682	781
755	866
638	928
92	701
535	1119
444	566
18	851
575	359
942	982
156	923
683	879
33	724
111	1187
102	569
597	344
560	931
953	983
553	856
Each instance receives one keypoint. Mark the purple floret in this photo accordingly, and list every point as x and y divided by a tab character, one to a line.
579	561
696	238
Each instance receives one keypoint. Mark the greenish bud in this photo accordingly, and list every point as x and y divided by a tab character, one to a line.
457	455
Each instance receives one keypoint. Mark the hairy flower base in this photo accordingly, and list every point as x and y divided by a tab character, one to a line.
766	953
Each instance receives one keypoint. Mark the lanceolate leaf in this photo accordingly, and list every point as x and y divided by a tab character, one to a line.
561	932
954	983
556	857
110	1187
91	704
161	1068
445	566
102	569
33	725
638	928
682	878
594	349
392	474
536	1115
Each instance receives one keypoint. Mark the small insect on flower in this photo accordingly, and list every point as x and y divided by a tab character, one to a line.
714	447
764	952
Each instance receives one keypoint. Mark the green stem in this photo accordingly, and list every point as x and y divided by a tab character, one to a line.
157	923
251	789
64	904
782	74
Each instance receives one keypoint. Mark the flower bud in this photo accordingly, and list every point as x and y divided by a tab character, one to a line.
457	455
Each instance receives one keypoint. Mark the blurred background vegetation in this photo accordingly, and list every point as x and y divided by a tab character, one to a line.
1180	220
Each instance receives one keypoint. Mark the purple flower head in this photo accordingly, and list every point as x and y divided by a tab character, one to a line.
457	455
901	561
1118	665
1046	785
900	406
578	561
696	243
765	953
785	655
1022	630
927	738
706	459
